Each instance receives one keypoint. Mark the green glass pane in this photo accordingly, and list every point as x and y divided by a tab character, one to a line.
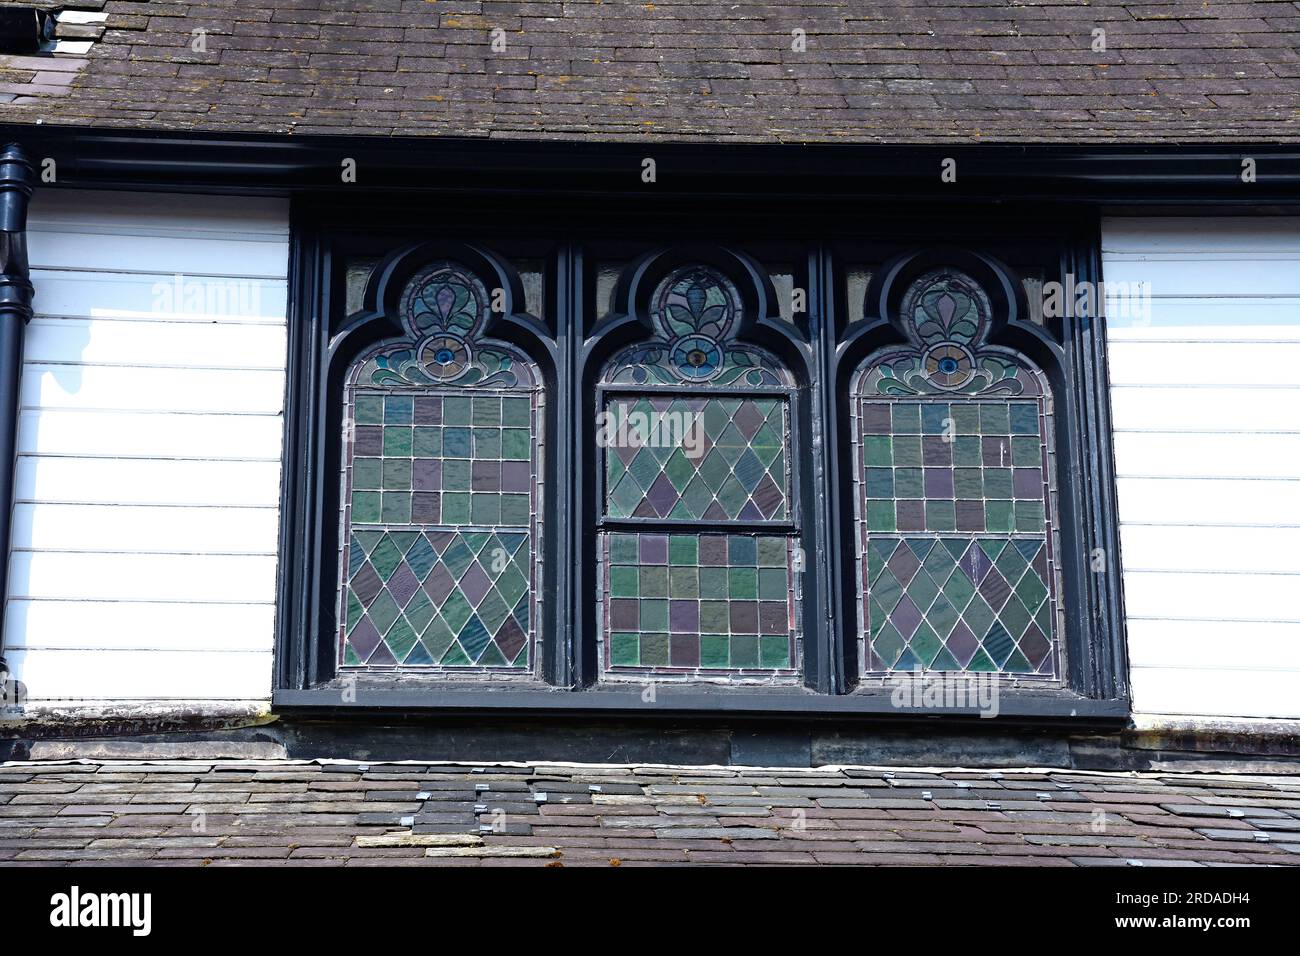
744	650
487	410
369	409
623	548
654	581
455	508
906	418
397	474
713	582
878	451
516	411
485	509
457	410
516	444
743	583
487	442
906	450
396	507
365	507
397	441
966	419
880	515
683	550
683	583
998	516
772	552
456	475
774	652
654	650
367	473
426	442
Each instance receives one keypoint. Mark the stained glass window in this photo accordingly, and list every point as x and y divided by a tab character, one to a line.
440	517
738	473
956	496
698	545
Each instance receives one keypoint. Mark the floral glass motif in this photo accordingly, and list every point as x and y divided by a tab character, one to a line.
440	523
946	315
956	503
699	599
696	313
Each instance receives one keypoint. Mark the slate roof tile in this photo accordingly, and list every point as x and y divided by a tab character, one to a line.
299	813
938	71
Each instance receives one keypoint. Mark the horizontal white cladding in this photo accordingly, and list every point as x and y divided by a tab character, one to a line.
1206	401
1192	691
102	679
1171	408
1219	236
141	625
1245	276
1236	550
133	576
1200	364
1185	453
206	236
1199	644
148	476
151	297
119	387
105	341
149	434
1197	502
1179	595
214	483
152	529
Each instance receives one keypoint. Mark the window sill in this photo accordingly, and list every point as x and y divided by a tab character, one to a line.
774	702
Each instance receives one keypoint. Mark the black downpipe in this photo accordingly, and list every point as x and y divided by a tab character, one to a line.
17	177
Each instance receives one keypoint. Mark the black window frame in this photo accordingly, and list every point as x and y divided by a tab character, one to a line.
822	241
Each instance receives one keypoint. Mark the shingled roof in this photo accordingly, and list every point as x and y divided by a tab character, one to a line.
903	71
297	813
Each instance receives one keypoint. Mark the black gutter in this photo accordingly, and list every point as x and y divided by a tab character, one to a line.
17	177
1147	174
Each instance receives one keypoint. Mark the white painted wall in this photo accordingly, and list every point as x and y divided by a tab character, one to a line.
1206	397
143	573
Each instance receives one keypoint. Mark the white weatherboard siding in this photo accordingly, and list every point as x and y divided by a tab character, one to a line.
1206	397
143	572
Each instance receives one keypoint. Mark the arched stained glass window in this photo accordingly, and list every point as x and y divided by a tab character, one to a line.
698	540
956	495
440	516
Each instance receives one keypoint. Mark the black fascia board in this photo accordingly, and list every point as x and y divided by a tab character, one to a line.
1150	174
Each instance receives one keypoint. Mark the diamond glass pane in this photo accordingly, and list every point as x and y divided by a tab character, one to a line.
449	598
699	603
717	459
